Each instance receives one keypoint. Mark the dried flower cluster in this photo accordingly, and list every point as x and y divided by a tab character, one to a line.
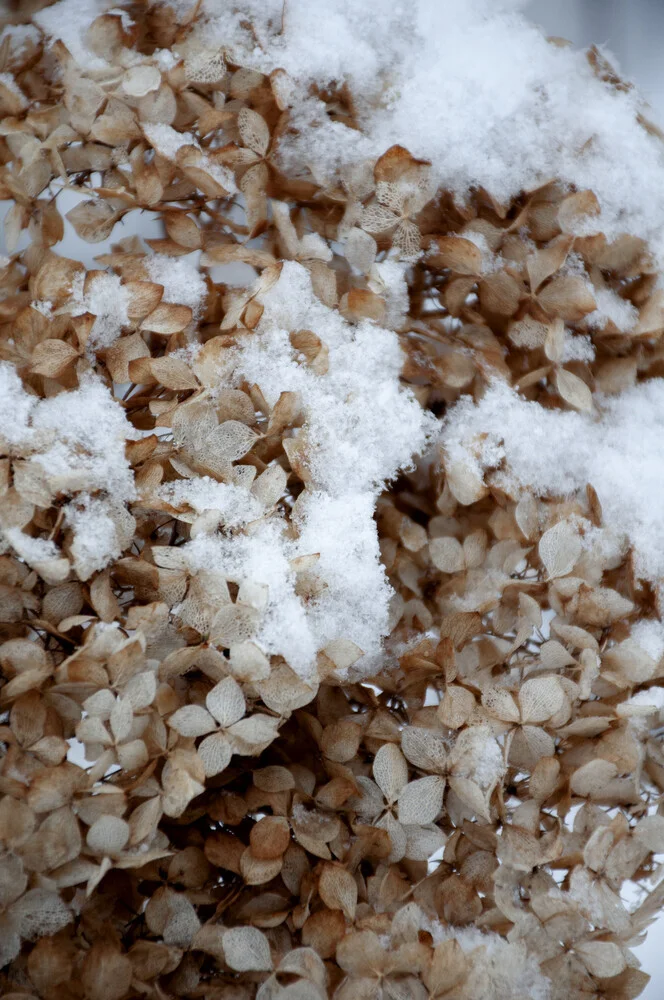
330	578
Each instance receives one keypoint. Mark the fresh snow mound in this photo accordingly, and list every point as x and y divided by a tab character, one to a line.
352	449
619	450
472	87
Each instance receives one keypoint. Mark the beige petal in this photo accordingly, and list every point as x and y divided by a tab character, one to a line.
601	958
192	720
590	779
108	835
215	752
559	549
471	795
447	554
338	890
573	390
251	735
540	698
456	253
422	800
501	704
246	949
390	771
226	702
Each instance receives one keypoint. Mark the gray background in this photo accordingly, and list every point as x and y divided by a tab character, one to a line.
632	29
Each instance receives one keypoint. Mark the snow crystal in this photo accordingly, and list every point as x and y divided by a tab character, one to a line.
577	348
21	36
648	633
33	550
619	450
8	81
263	557
165	59
355	601
235	505
611	306
96	541
16	407
183	282
69	21
80	434
43	306
353	446
127	21
78	440
506	970
479	756
167	141
108	300
89	430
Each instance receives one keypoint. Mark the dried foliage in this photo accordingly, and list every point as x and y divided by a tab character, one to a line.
194	804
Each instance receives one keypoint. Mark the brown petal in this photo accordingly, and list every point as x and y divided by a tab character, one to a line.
568	297
167	319
52	358
456	253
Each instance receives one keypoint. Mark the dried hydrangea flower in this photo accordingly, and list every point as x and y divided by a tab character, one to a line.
331	602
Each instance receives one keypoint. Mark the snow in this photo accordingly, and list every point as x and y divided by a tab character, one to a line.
506	969
610	306
8	81
88	430
77	439
33	550
262	557
21	36
649	635
235	505
108	300
619	450
577	348
69	21
126	21
167	141
503	109
96	540
16	406
352	450
353	445
183	282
